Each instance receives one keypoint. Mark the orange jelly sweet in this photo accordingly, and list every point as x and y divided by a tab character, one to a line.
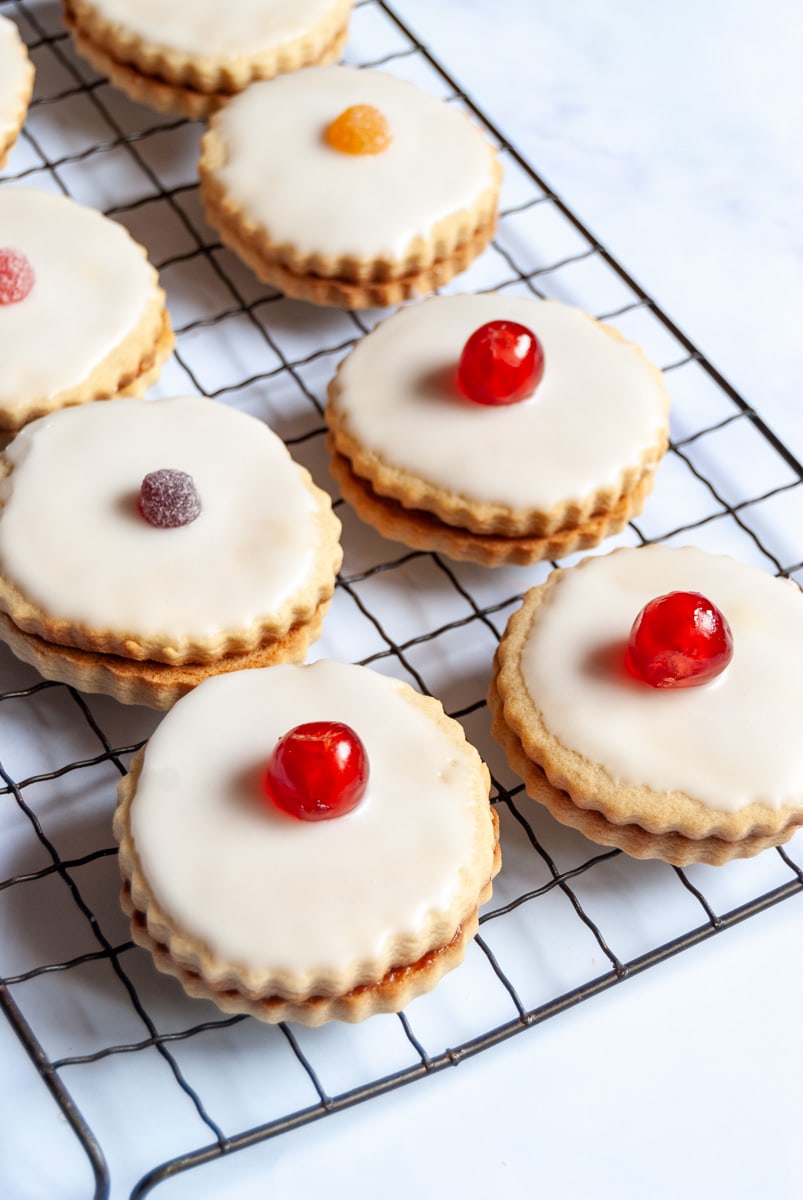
360	129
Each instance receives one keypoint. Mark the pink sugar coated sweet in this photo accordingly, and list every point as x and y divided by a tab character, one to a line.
16	276
169	498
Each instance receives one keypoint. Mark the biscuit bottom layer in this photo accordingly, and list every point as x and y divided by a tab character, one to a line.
390	994
397	987
183	98
425	531
670	845
143	681
127	371
339	291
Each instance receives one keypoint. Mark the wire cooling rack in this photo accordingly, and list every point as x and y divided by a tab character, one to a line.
119	1047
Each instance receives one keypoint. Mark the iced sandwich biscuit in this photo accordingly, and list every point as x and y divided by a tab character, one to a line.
349	187
145	545
82	315
189	56
496	429
290	899
16	85
651	698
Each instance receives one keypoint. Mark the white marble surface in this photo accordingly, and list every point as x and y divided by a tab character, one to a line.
673	131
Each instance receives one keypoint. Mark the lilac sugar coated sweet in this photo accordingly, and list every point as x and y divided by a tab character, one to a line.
169	498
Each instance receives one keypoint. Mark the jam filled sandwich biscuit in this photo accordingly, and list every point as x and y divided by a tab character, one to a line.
651	698
496	429
348	187
16	85
82	315
306	843
145	545
189	56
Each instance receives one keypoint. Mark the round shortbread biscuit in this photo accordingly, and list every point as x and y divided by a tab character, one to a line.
312	920
96	305
97	595
345	228
184	58
701	773
554	473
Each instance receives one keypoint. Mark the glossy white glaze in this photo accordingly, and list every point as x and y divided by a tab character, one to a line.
265	890
199	27
93	285
73	540
728	742
598	408
321	201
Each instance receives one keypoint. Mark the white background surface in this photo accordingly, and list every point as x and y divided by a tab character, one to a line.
673	131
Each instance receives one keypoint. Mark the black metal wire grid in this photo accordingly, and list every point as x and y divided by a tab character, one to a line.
561	907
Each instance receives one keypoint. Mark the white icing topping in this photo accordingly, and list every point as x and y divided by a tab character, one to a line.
264	889
727	743
599	406
93	284
199	27
14	69
72	539
321	201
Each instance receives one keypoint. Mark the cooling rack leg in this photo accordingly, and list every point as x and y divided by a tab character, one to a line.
59	1093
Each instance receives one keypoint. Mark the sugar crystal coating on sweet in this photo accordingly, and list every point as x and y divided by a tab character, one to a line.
17	276
360	129
169	498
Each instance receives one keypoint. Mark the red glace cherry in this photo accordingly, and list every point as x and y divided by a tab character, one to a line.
317	771
679	640
16	276
502	362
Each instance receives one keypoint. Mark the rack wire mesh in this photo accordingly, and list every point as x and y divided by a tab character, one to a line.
567	919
